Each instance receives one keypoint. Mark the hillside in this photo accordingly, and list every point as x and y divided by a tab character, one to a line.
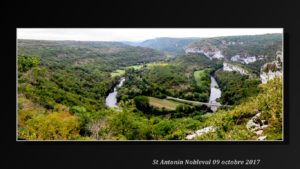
259	117
260	46
252	51
73	75
109	55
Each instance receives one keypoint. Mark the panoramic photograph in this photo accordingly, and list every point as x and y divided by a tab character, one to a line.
149	84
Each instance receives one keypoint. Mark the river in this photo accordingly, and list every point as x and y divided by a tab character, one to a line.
215	93
111	99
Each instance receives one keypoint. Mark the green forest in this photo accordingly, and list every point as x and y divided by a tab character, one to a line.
63	88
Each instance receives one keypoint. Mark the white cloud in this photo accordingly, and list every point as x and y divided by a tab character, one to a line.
133	34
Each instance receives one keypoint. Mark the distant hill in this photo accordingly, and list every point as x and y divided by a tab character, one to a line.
172	46
84	53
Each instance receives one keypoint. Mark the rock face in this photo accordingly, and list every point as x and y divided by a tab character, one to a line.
245	59
231	67
200	132
217	54
273	69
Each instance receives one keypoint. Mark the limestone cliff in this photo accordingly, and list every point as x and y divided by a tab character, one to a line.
272	69
232	67
215	53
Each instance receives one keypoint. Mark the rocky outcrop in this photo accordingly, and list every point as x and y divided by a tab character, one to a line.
272	69
261	138
217	54
246	59
249	59
231	67
233	43
265	77
257	126
201	131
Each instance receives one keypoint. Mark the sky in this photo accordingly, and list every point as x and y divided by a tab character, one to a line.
134	34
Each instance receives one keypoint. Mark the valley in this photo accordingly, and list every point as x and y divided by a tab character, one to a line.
159	89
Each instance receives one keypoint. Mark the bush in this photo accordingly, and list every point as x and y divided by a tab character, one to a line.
52	126
142	103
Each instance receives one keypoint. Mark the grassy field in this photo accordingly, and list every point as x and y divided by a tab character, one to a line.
136	67
160	103
121	72
149	65
198	75
118	72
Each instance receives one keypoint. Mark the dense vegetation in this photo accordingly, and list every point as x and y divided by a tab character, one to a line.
132	124
174	78
236	87
90	56
74	74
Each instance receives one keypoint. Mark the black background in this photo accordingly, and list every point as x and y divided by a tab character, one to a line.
186	13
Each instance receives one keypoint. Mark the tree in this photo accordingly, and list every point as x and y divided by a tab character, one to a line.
27	62
142	103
